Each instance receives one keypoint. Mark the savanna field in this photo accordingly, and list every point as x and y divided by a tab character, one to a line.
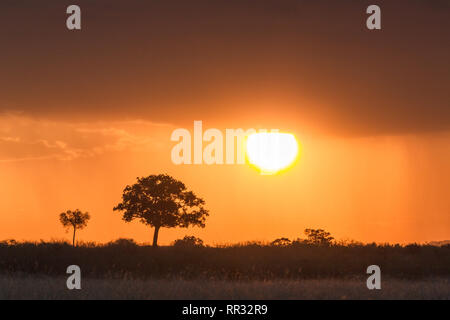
125	270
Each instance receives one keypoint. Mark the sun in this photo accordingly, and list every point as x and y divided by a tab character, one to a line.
271	152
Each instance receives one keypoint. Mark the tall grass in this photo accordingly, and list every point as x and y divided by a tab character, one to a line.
251	261
44	287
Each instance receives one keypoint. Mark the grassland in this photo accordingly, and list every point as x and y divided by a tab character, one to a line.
45	287
124	270
251	261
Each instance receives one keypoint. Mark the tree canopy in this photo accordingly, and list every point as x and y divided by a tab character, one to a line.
75	219
161	201
318	237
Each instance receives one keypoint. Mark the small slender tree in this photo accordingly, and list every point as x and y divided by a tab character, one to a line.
74	219
162	201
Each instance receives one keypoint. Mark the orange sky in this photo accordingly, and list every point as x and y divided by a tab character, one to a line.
383	188
82	114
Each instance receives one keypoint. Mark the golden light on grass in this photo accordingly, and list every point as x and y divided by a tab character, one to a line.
271	152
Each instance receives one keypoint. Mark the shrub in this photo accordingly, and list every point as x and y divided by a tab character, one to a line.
124	242
188	241
281	242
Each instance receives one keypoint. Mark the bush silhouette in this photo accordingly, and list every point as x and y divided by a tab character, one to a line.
188	241
124	242
281	242
318	237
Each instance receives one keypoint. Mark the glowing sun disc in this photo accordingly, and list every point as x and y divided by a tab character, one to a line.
271	151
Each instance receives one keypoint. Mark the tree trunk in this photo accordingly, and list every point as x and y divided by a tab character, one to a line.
155	237
73	240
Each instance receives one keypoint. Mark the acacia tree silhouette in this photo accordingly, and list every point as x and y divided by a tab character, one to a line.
75	219
162	201
318	237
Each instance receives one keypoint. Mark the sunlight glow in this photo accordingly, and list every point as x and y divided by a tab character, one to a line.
271	151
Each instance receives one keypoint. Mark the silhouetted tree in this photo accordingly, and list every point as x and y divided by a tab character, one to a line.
318	237
281	242
188	241
124	243
75	219
162	201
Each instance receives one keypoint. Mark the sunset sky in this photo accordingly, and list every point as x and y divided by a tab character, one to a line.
83	113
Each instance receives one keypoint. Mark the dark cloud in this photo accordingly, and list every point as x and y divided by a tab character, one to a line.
176	61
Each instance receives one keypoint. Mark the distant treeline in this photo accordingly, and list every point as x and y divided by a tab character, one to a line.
249	261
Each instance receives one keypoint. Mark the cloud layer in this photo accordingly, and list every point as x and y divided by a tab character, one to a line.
311	62
23	138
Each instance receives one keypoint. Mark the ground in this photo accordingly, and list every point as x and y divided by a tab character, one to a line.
45	287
